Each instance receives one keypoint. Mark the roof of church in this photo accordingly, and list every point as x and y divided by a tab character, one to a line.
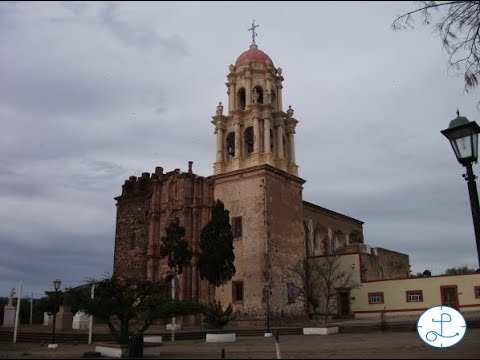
252	54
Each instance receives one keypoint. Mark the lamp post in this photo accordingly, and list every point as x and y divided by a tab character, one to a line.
56	285
463	136
266	288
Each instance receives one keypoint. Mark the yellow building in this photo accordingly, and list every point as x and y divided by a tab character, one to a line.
407	296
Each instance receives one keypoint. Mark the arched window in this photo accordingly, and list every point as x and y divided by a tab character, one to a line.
320	241
230	145
339	240
248	140
257	95
241	99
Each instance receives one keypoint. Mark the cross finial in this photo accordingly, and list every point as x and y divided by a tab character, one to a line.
252	29
458	113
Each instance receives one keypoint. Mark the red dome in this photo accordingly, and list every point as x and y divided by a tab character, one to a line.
252	54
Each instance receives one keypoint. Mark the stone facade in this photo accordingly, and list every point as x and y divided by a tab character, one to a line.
144	210
256	176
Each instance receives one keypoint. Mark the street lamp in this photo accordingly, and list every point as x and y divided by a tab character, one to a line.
463	136
56	285
266	288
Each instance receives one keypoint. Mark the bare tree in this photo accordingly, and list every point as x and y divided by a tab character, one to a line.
458	24
317	282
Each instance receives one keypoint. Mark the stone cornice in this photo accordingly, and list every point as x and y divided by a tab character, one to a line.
258	168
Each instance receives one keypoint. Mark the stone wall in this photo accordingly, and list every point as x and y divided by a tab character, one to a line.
327	231
145	209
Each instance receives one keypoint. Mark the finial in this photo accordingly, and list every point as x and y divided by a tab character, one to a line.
252	29
458	113
190	163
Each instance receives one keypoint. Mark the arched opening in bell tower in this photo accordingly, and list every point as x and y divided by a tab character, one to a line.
257	95
248	140
230	145
241	99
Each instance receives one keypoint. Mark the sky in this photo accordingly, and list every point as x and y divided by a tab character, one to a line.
94	92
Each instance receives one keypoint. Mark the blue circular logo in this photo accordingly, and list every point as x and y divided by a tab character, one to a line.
441	326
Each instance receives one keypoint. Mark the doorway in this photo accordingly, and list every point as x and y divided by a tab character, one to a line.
344	303
449	294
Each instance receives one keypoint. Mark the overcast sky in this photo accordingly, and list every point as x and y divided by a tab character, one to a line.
92	93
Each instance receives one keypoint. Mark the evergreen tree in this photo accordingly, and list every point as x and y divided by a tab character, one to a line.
175	247
216	243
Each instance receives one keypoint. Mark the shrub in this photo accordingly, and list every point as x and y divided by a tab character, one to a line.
215	316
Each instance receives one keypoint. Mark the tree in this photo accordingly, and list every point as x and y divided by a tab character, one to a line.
215	262
459	270
318	281
458	24
175	247
303	279
129	306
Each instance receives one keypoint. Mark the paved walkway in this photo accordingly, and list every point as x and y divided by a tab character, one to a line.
390	345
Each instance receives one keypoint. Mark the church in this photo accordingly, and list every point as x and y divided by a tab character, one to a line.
256	176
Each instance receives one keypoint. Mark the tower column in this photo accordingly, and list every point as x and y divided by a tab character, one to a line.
266	135
280	141
279	96
238	142
256	135
219	131
292	145
231	97
248	90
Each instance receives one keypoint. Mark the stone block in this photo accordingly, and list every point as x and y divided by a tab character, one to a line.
221	338
9	316
320	330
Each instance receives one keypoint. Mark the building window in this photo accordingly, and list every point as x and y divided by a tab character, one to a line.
477	292
237	291
290	293
414	296
237	227
375	298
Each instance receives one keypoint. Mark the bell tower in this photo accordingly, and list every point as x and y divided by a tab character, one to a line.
256	177
255	130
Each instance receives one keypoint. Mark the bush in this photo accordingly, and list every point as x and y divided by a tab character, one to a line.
215	316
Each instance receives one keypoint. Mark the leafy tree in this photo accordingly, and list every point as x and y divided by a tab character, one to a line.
318	281
458	24
459	270
215	262
129	306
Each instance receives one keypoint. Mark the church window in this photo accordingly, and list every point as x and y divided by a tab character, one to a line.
237	291
375	298
237	227
249	140
414	296
231	145
477	292
257	96
241	99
